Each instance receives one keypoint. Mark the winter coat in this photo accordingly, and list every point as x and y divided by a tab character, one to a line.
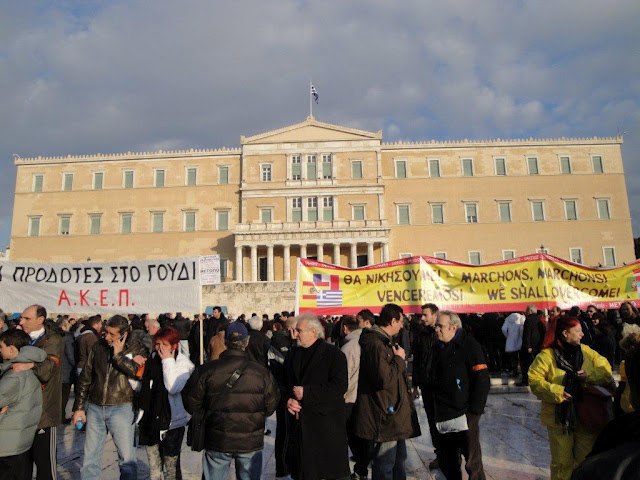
22	393
424	344
258	347
236	424
351	350
318	439
176	372
512	329
49	372
104	380
383	384
69	358
545	379
533	332
183	326
85	342
461	378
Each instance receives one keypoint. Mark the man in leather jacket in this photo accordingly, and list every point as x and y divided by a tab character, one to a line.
104	398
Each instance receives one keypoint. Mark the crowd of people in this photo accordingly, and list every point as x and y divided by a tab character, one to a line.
336	384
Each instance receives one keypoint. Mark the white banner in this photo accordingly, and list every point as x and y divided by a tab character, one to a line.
162	285
209	269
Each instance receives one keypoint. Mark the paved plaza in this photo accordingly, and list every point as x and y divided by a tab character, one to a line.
514	445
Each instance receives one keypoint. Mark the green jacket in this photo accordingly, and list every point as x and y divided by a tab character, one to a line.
22	393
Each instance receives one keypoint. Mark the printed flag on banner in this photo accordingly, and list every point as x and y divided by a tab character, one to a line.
324	289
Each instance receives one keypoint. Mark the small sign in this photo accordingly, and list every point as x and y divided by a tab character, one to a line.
210	270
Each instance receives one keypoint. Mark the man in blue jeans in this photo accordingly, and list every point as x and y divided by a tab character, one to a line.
104	398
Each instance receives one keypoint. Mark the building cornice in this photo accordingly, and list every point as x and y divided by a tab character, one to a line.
519	142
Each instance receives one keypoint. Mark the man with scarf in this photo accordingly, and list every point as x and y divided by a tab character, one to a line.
164	416
557	377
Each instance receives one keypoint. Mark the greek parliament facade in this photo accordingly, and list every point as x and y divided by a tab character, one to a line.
336	194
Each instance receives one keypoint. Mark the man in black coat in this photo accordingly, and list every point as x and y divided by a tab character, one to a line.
533	332
317	381
461	381
217	323
259	343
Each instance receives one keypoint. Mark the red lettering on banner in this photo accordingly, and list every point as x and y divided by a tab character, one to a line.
63	298
103	298
83	298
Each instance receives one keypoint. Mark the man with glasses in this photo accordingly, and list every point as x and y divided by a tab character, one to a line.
461	386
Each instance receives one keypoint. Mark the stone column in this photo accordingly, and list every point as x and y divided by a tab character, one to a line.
354	255
303	250
238	264
254	263
270	276
370	259
286	254
320	252
336	254
385	251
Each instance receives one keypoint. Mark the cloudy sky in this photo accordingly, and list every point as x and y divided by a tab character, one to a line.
89	76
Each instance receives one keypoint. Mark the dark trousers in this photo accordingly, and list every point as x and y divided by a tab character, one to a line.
66	390
361	449
282	469
526	359
466	443
15	467
427	400
511	362
43	454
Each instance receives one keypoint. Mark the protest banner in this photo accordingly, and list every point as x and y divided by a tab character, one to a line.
162	285
540	279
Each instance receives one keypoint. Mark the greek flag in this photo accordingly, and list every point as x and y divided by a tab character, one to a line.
314	92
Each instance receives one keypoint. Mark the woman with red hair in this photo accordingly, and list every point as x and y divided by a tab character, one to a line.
164	417
558	376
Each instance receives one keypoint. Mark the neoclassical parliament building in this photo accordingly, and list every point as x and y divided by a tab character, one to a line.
332	193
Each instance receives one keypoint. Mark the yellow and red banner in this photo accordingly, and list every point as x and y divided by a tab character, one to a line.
541	279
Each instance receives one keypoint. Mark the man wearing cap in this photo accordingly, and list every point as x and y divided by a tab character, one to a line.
238	394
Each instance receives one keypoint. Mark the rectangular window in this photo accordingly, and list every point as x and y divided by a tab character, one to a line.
312	170
266	173
189	221
356	169
570	210
603	209
312	209
609	254
471	212
474	258
38	181
223	175
127	179
565	165
67	182
34	226
157	222
501	166
575	255
296	167
222	220
508	254
265	215
596	161
440	255
467	167
404	217
327	209
159	178
98	178
64	225
94	224
401	169
192	176
327	169
437	213
358	212
406	255
434	168
125	222
532	164
538	211
296	209
504	210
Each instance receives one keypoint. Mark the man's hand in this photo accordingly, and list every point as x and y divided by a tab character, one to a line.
582	375
22	367
3	410
298	392
77	415
398	350
529	350
566	397
164	351
140	360
293	406
118	345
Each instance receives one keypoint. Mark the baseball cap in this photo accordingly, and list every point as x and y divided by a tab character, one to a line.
237	330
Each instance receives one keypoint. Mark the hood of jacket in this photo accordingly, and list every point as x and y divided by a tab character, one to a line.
374	334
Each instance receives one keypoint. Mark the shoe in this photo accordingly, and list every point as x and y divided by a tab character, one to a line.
355	476
433	464
267	432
